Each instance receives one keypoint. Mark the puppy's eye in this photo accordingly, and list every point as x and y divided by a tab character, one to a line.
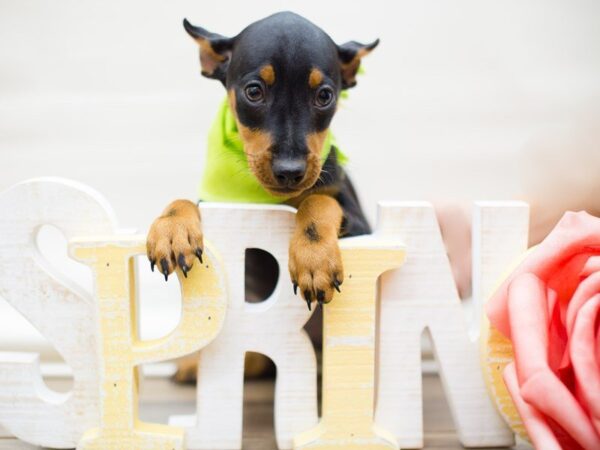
324	97
254	92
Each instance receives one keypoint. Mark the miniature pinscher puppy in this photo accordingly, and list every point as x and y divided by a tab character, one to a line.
283	76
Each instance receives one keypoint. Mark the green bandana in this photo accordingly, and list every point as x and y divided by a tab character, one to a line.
227	177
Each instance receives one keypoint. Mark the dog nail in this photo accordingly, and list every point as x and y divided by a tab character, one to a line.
182	264
184	267
336	285
320	295
295	288
308	303
199	255
320	298
152	265
308	295
165	268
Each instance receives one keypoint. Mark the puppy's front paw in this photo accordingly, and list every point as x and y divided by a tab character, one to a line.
175	238
315	263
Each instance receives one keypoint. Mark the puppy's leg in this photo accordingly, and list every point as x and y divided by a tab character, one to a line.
175	238
315	261
355	223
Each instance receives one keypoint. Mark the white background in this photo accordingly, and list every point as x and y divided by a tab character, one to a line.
110	94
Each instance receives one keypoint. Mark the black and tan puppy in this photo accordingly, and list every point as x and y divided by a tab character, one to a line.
283	77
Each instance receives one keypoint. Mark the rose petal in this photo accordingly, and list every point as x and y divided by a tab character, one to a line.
539	386
583	356
539	432
558	356
528	325
586	290
591	266
598	344
544	391
575	233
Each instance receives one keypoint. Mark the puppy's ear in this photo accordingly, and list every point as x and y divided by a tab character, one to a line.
215	51
350	55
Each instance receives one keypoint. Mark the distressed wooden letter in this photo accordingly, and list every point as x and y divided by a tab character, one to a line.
500	235
422	295
28	408
349	353
203	313
272	327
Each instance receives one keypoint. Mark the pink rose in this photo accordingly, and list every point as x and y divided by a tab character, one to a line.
550	310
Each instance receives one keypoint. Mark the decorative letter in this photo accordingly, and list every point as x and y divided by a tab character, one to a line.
422	295
272	327
349	353
500	232
58	309
120	351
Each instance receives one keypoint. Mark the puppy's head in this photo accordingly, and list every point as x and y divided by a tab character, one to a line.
283	76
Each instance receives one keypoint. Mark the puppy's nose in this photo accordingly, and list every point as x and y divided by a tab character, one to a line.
289	172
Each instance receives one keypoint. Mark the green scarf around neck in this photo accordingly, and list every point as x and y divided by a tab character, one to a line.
227	177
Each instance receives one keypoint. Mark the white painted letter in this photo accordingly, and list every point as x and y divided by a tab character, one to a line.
58	309
422	295
273	328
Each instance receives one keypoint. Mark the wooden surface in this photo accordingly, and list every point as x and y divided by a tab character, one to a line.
160	399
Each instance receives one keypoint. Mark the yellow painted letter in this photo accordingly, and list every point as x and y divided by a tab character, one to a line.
120	351
349	354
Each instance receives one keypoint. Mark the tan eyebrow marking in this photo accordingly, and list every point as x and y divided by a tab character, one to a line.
267	73
315	78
